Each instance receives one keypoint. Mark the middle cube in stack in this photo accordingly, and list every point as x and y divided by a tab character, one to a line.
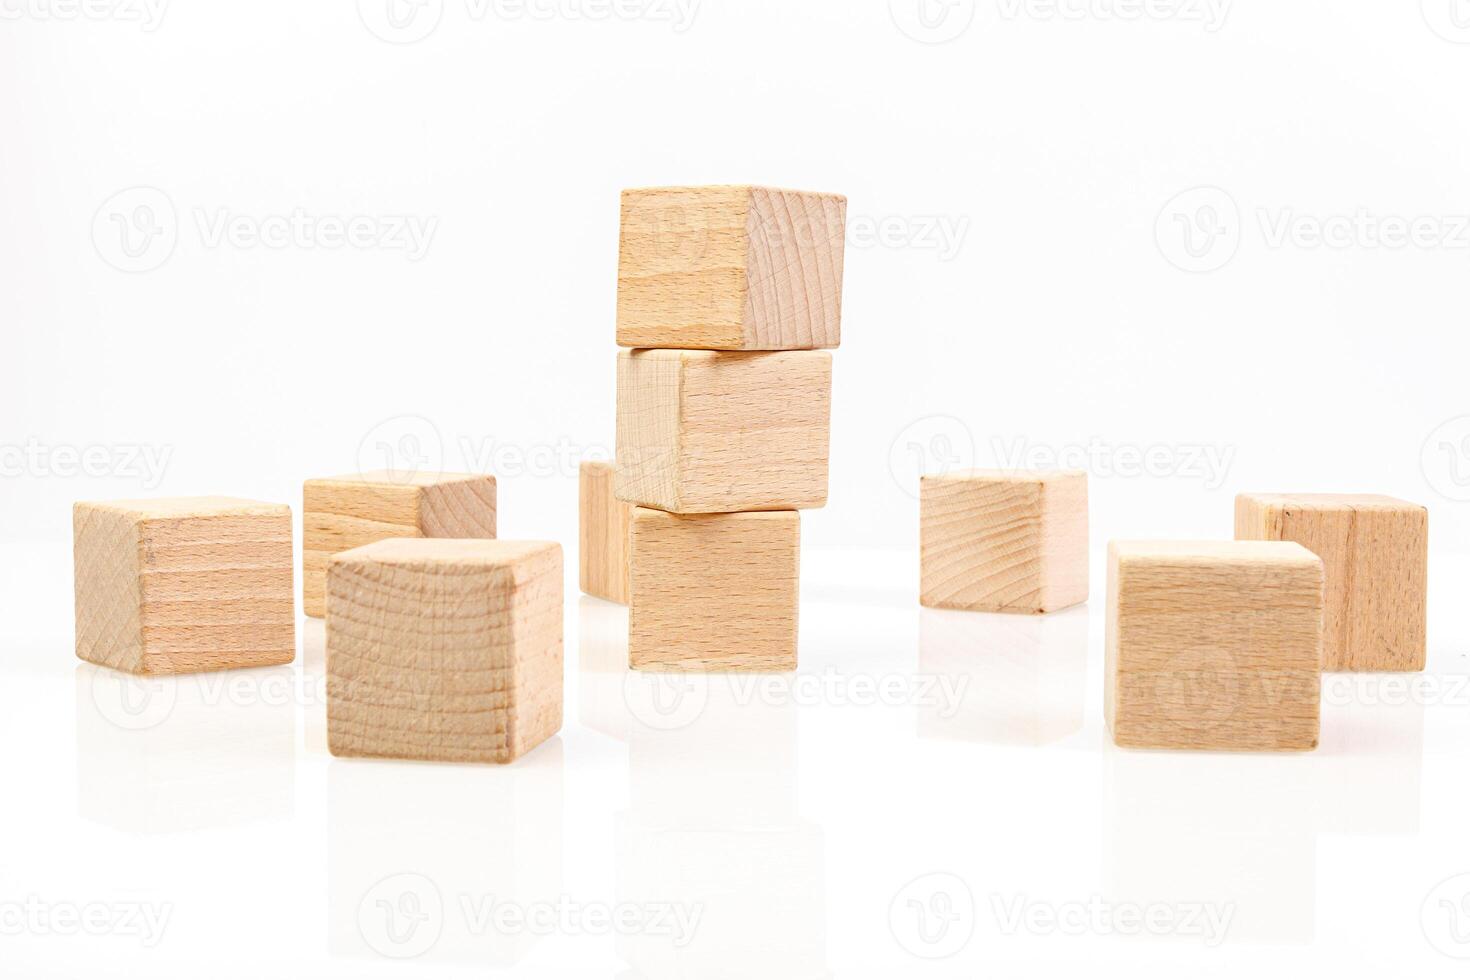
720	448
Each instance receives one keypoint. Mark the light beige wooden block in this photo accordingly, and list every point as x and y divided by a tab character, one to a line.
1003	540
730	268
179	585
714	592
343	512
701	432
602	553
444	649
1376	553
1214	645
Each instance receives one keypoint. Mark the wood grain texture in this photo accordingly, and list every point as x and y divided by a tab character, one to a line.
343	512
180	585
1214	645
714	592
1376	553
730	268
444	649
603	521
1003	541
703	432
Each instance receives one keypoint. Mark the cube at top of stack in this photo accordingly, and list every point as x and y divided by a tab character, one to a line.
730	268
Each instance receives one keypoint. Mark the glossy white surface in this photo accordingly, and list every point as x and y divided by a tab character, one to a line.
1150	238
933	794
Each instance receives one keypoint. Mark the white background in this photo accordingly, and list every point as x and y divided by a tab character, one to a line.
1230	239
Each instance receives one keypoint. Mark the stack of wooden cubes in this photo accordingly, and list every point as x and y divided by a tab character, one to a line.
728	298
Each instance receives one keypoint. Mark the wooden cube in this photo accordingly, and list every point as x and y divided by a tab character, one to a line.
602	555
343	512
180	585
715	592
1003	540
730	268
444	649
1214	645
701	432
1376	553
